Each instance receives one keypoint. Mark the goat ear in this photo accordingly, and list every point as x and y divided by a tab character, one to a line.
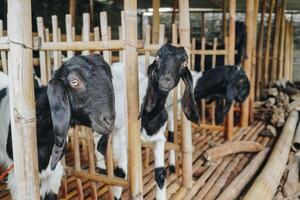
60	115
181	55
149	100
188	103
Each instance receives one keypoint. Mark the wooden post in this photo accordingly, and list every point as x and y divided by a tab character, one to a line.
275	42
22	103
231	56
134	143
48	57
97	36
202	24
287	52
3	53
186	128
91	4
69	34
104	34
260	48
224	9
248	61
86	30
43	66
155	21
202	67
72	10
281	41
55	39
292	51
267	49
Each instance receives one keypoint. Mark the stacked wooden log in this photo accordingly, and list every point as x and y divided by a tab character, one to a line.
279	100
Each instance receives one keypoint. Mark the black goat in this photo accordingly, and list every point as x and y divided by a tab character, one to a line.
240	47
80	92
226	82
163	75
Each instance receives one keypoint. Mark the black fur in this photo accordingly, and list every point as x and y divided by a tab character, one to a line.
240	47
3	93
170	136
102	171
172	169
160	175
119	172
102	145
58	105
226	82
50	196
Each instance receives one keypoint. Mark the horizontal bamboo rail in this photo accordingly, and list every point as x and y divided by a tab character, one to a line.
168	146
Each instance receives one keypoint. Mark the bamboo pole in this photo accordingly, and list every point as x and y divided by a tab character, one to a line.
134	143
22	104
110	166
48	57
231	56
266	183
268	42
3	53
96	36
275	42
104	34
203	40
155	21
77	164
69	33
292	51
193	47
59	52
186	129
175	98
72	10
236	186
86	30
231	148
55	39
215	44
260	48
290	186
202	24
287	47
248	60
224	19
281	41
91	159
91	5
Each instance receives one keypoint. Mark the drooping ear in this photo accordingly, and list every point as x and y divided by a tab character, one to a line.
243	88
181	55
149	100
188	103
60	115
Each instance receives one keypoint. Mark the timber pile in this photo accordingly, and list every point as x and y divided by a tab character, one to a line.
280	99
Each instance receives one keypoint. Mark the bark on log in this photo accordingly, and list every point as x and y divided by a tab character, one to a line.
231	148
236	186
266	183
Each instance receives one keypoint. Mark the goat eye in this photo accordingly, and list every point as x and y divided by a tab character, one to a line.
74	83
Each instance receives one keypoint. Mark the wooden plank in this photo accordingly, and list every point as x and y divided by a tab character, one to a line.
22	102
155	21
86	30
55	39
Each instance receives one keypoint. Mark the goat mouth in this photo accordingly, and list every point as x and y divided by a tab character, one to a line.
165	89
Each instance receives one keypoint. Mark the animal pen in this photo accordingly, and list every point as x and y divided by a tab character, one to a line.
253	155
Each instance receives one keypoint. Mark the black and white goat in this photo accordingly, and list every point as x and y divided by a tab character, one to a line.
229	83
80	92
163	75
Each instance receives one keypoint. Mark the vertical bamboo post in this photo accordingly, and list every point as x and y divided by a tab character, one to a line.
275	42
287	47
155	21
231	56
292	51
147	42
247	65
260	48
175	98
59	52
192	54
109	38
110	166
281	41
104	34
97	36
161	38
22	104
3	53
224	19
253	64
55	39
86	30
91	156
72	10
202	66
48	57
77	164
122	58
69	33
134	143
268	42
186	129
91	4
215	44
